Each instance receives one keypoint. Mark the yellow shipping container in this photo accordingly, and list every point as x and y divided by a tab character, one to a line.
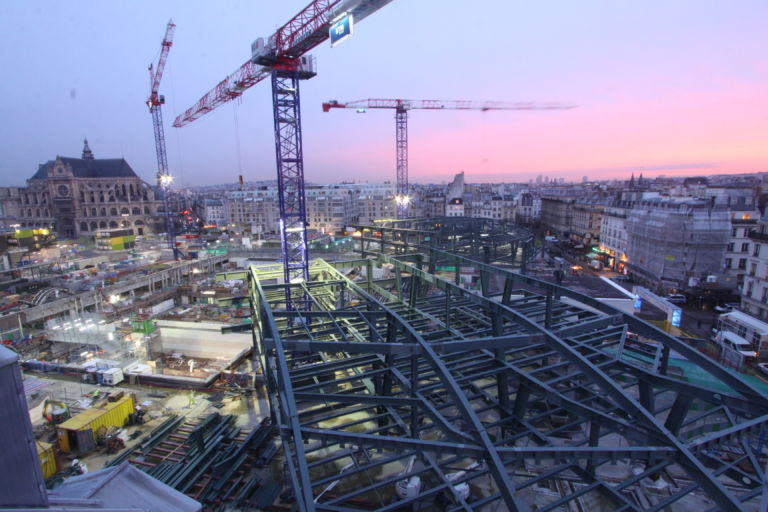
107	414
47	459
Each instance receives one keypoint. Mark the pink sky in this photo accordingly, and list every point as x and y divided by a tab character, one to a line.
680	134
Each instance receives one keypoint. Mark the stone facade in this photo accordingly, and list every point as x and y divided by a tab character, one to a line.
78	196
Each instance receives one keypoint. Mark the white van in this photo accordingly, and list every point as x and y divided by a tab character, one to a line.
731	340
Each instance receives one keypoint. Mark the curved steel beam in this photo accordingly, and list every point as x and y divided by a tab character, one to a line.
718	491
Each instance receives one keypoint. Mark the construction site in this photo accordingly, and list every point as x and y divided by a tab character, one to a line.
413	389
424	368
431	369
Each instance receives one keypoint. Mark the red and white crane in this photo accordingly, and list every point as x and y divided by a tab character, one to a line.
155	103
283	58
401	108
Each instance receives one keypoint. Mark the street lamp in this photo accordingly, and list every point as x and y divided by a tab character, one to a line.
402	200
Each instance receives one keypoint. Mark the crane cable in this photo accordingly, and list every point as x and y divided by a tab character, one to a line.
237	140
176	132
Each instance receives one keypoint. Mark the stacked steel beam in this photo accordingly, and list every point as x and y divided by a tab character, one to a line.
211	460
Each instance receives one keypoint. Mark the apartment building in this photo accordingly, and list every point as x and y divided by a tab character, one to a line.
676	243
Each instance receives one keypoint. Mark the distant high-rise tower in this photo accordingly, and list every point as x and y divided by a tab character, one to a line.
584	179
538	179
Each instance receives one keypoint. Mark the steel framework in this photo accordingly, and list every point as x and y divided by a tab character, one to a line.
487	240
395	371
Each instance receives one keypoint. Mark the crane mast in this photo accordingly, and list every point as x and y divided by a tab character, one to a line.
402	197
282	57
155	103
401	108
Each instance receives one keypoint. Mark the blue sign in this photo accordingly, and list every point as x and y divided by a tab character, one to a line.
677	315
340	30
638	302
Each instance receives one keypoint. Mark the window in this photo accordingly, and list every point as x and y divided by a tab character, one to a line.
728	262
745	247
753	269
756	252
730	247
743	263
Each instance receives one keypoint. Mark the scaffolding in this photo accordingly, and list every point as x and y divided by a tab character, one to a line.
406	389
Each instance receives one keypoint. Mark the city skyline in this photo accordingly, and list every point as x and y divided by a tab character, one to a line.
674	90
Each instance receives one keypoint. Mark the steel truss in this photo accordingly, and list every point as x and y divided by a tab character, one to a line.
487	240
564	400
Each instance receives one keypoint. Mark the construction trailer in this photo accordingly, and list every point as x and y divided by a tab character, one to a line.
79	433
410	390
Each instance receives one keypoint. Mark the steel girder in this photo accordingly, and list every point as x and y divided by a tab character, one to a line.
537	381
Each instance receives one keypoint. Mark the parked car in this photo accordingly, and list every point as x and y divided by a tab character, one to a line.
763	367
725	308
677	298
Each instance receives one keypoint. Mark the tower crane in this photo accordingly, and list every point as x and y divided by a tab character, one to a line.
283	58
401	108
155	103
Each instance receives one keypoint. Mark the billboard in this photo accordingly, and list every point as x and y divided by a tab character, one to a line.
341	29
677	315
